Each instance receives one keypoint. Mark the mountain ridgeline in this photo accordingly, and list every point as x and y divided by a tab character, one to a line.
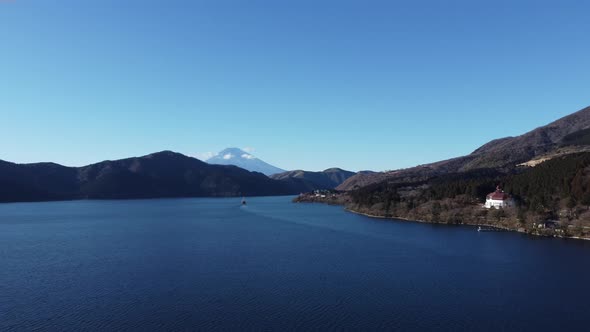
158	175
162	174
170	174
546	171
308	181
567	135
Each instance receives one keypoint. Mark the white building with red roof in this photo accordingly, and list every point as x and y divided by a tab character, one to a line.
498	199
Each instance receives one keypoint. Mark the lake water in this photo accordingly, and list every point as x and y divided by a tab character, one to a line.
203	264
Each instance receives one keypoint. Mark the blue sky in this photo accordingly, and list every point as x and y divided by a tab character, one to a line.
307	84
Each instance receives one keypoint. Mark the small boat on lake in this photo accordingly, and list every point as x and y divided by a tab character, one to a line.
243	201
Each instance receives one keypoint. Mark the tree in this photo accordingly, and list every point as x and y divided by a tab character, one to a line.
521	215
435	210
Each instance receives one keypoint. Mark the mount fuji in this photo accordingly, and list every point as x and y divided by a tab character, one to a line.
243	159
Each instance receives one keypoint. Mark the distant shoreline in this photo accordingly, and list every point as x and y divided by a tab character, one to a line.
138	198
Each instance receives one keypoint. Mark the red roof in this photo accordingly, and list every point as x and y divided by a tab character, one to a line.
498	195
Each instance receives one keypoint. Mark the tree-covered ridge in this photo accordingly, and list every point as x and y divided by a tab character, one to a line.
327	179
471	185
548	184
581	137
558	189
161	174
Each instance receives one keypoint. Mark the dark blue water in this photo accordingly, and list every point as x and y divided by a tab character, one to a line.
189	264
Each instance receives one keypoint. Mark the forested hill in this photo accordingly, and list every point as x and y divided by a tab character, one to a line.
558	189
162	174
328	179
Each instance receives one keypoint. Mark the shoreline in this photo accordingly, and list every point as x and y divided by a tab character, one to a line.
507	229
430	222
464	224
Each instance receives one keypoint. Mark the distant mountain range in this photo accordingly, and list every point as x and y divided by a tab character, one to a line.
299	180
308	181
170	174
243	159
162	174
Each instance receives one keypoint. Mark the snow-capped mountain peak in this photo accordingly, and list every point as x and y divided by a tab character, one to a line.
243	159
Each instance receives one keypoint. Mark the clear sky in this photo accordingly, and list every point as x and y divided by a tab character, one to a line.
308	84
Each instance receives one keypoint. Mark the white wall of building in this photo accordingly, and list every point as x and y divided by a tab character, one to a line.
496	203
